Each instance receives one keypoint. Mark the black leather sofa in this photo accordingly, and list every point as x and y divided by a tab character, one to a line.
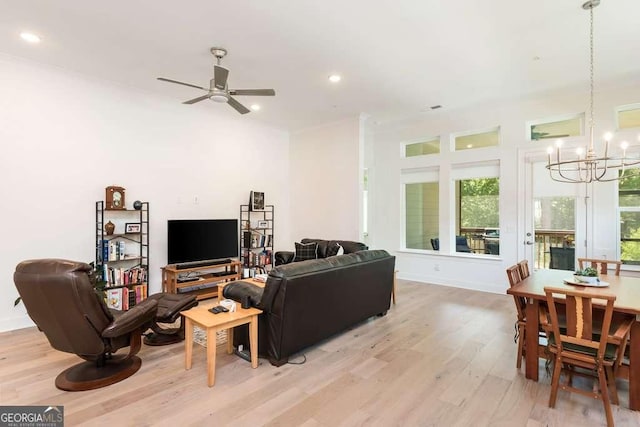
306	302
324	249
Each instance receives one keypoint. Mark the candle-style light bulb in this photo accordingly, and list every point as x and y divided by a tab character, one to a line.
608	136
559	143
624	145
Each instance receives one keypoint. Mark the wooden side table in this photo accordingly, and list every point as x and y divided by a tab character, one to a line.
213	323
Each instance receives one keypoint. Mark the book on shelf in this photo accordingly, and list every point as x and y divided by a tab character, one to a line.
118	276
114	298
123	298
105	250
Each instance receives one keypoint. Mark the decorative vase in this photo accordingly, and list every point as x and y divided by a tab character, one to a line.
109	228
137	205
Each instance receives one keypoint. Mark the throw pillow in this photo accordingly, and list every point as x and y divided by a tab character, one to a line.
305	251
332	248
340	249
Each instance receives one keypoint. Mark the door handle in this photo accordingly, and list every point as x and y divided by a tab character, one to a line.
528	242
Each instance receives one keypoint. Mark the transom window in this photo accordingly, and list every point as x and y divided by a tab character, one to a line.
431	146
477	140
629	116
556	129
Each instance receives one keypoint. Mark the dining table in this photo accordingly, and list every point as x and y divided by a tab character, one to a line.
627	292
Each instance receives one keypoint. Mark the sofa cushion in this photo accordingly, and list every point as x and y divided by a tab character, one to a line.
305	251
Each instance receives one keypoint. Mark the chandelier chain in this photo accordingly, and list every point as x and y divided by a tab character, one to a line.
591	78
590	167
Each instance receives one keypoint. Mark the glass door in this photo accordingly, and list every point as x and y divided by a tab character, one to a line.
551	219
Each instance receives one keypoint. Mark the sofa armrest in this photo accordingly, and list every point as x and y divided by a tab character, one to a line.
131	320
238	289
284	257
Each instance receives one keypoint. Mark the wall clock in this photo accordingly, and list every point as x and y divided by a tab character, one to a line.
114	198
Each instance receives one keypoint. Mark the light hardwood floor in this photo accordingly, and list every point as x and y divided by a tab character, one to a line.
441	356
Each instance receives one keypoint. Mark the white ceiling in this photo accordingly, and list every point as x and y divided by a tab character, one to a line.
397	58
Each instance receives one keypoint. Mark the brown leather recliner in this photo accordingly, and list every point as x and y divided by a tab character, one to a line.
62	302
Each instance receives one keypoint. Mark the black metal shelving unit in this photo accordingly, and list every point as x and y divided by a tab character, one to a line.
107	261
256	242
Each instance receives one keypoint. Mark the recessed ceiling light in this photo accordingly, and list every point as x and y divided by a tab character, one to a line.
469	145
30	37
334	78
255	107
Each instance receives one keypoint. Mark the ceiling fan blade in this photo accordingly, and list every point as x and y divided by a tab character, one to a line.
254	92
220	75
181	83
238	107
198	99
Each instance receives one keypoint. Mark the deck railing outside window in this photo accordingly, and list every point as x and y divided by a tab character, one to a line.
545	239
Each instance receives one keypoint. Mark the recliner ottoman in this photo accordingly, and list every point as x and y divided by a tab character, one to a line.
169	308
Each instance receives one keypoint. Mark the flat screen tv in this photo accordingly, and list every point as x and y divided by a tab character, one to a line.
192	240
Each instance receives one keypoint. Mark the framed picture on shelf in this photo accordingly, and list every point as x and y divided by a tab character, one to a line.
256	201
263	224
132	227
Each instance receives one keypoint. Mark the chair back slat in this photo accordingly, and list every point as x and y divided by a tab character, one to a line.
579	317
602	265
523	266
513	274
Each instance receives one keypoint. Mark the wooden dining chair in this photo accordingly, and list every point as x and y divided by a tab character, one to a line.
584	342
523	267
513	274
602	265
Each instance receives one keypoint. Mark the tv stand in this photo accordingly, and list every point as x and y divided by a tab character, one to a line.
210	275
189	265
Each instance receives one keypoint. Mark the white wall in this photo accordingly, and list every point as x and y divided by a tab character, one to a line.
64	137
325	181
478	272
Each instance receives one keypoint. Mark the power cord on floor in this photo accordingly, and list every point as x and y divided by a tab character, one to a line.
304	360
246	355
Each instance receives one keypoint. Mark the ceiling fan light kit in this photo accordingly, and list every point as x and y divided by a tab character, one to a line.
218	89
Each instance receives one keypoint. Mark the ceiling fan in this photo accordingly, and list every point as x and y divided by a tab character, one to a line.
218	90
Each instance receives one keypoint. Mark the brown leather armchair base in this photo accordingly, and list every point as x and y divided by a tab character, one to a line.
61	301
89	376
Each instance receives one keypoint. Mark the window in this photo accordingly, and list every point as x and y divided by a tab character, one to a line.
478	215
431	146
629	116
421	207
554	213
629	202
556	129
477	140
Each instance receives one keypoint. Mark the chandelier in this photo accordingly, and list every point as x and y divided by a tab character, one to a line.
586	166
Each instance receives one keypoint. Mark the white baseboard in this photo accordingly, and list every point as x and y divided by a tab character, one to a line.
18	322
474	286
